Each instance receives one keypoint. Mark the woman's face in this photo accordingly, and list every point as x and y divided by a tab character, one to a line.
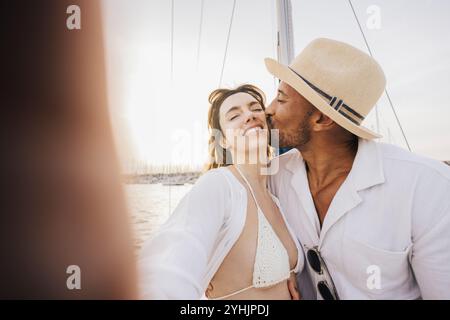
244	125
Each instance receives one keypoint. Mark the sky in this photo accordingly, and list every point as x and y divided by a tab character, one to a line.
159	104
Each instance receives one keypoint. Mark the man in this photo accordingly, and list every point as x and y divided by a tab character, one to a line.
373	219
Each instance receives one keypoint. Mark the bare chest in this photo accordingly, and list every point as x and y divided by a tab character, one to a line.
323	196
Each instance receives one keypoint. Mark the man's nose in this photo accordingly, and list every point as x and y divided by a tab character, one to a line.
270	109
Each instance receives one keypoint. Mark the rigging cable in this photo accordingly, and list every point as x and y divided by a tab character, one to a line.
200	32
385	90
171	38
172	22
228	41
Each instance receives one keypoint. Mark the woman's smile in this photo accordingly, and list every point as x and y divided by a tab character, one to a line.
254	129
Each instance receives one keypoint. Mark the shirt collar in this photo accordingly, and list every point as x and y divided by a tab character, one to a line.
367	169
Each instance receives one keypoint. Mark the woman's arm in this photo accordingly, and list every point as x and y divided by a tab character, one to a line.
174	262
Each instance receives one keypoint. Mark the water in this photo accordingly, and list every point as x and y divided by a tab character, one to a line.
149	207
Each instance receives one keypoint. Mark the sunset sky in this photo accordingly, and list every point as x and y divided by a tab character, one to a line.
160	117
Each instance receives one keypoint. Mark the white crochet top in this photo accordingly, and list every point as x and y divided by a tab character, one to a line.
271	260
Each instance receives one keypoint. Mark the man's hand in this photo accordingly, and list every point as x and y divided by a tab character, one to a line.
293	289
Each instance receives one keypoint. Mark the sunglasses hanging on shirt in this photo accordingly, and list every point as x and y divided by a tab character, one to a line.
325	285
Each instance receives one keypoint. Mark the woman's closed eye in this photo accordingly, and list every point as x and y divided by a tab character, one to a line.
257	109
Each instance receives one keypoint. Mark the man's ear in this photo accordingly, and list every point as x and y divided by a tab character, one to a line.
322	122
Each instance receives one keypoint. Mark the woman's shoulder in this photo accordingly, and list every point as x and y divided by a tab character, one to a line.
219	177
214	182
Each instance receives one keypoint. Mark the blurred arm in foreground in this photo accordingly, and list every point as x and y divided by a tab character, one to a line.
62	198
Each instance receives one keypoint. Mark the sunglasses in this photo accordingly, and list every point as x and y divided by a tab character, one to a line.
325	286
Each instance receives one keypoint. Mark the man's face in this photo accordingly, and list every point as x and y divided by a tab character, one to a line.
289	112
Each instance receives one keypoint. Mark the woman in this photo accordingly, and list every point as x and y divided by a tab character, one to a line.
228	238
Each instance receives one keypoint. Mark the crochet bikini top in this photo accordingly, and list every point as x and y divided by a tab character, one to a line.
271	260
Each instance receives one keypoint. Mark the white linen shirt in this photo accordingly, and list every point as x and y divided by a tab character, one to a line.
183	256
386	234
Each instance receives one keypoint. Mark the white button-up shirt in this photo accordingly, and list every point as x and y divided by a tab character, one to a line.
179	261
386	234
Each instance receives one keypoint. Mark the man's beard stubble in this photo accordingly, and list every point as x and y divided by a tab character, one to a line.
298	138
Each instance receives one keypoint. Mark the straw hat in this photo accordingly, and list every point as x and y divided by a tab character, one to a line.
341	81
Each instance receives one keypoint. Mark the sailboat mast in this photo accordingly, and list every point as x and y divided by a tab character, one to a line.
285	39
285	32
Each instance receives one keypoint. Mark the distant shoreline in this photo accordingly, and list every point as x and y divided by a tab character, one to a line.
163	178
170	178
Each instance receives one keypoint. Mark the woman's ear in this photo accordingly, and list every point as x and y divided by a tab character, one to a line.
223	142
